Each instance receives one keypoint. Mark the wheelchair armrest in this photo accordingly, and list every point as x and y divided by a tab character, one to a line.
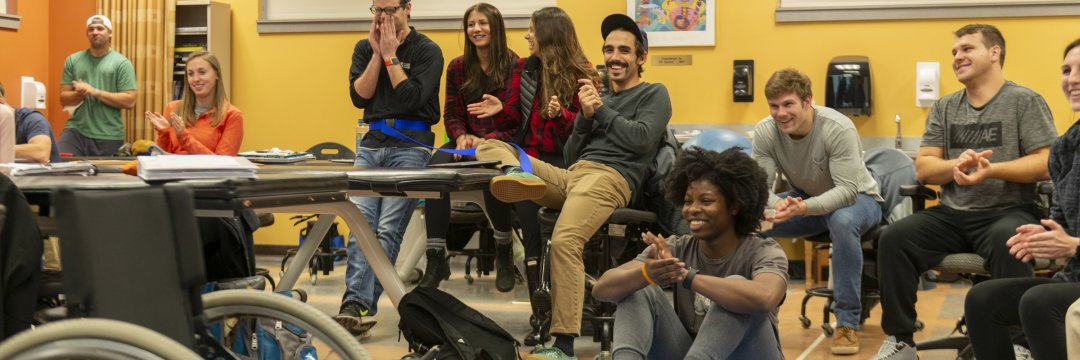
1046	188
919	195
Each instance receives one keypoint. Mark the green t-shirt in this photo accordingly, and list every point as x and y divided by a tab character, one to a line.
113	73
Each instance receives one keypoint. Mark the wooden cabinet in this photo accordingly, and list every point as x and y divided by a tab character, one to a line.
202	25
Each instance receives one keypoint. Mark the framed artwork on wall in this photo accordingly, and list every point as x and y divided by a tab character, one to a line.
675	22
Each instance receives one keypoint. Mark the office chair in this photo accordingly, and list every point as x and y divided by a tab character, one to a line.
20	257
968	266
331	151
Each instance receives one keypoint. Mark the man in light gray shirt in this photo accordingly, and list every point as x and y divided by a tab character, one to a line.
817	149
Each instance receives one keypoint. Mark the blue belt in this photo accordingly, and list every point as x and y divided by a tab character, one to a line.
391	126
399	124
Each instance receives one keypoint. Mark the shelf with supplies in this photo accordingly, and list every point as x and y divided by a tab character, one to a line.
192	30
202	25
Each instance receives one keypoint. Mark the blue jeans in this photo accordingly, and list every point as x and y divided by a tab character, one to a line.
387	216
647	327
845	227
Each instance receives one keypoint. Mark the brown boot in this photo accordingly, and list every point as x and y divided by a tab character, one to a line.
845	341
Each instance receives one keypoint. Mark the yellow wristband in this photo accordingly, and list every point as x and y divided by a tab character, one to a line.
646	274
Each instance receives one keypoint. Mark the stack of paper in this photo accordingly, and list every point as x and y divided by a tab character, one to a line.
174	167
61	168
276	156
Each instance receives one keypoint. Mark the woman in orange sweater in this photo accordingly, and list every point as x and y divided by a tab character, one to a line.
202	121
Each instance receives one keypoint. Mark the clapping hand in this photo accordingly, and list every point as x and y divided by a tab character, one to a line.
487	107
553	107
178	124
788	208
589	97
972	167
661	266
159	122
1034	241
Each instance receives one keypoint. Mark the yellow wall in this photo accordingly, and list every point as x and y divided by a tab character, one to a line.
293	87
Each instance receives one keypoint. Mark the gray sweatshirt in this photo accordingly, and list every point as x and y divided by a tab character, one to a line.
624	133
827	163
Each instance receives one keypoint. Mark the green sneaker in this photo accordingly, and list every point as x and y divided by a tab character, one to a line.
549	353
355	318
517	185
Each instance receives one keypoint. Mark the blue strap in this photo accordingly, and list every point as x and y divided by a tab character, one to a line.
523	157
400	124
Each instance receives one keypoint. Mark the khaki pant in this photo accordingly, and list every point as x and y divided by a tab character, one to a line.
51	253
1072	330
587	193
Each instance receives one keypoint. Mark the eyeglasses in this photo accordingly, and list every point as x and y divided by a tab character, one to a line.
386	10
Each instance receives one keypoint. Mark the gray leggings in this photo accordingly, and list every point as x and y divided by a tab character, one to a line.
646	327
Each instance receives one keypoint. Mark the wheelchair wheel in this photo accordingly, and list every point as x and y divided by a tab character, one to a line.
220	305
93	339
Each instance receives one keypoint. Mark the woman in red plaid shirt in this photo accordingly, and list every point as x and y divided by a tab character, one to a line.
481	103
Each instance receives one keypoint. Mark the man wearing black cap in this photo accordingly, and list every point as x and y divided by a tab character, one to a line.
615	138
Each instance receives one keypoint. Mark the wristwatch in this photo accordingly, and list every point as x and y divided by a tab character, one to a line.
689	277
392	61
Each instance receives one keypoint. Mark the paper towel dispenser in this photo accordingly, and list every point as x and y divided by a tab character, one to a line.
847	85
33	93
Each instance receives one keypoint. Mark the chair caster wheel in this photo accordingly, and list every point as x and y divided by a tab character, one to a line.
919	325
828	330
804	321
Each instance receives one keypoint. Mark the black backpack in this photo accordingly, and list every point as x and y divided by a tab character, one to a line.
431	317
653	193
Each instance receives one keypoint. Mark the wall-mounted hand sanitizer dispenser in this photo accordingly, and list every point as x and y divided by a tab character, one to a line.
927	83
33	93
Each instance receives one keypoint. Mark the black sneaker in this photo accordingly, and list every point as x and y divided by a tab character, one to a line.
354	318
504	267
437	270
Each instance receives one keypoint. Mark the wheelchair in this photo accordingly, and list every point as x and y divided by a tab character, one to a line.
618	240
136	275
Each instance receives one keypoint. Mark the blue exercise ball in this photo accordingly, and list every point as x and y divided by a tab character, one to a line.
719	140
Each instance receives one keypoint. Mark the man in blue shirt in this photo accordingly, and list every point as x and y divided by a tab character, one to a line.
34	138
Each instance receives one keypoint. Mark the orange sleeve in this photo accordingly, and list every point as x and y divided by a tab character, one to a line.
233	134
165	138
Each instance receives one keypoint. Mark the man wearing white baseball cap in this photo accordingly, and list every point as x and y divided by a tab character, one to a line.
99	82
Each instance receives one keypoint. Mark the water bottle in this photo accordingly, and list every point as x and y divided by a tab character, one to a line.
361	130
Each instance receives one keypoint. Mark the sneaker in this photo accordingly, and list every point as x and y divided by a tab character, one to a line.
1022	353
845	341
549	353
895	350
504	267
354	318
437	270
517	185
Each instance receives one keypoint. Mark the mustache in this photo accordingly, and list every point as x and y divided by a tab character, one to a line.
617	63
